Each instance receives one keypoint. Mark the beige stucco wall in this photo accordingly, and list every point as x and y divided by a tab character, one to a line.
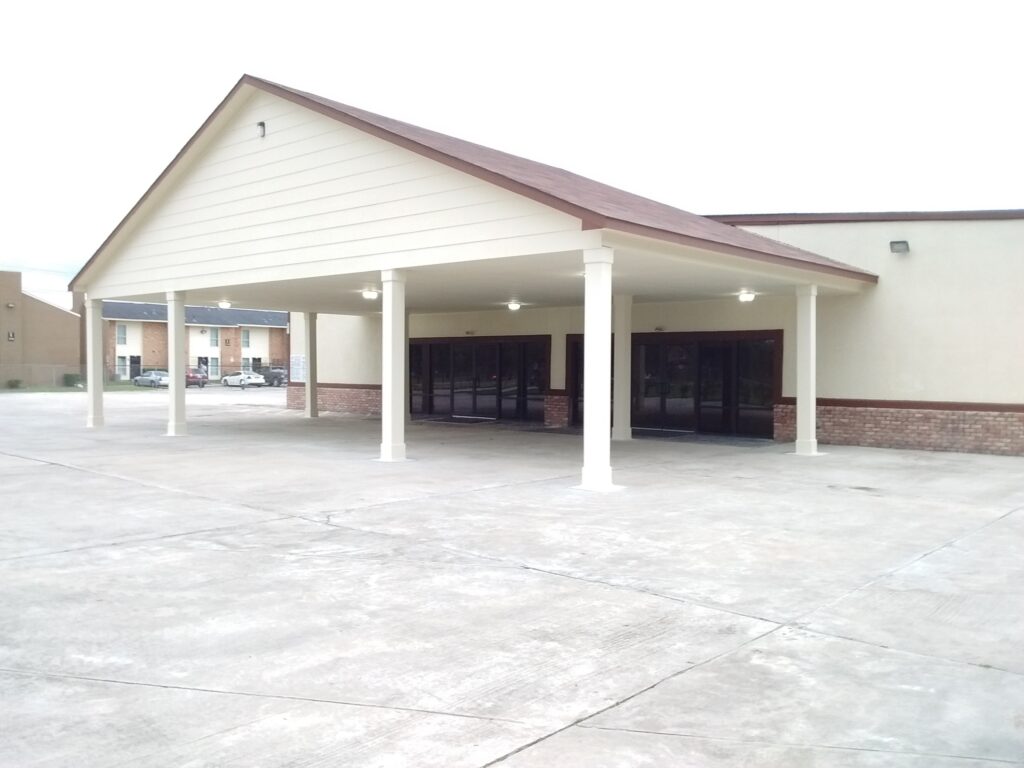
944	322
348	348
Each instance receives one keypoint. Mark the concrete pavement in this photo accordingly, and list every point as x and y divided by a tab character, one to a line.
263	593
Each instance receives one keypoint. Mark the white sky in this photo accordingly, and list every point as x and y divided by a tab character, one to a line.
721	107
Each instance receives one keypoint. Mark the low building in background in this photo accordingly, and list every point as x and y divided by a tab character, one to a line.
39	342
220	341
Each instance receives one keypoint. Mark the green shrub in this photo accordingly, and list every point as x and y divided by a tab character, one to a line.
72	379
14	383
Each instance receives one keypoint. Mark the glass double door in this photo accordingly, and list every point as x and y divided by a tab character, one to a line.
724	386
490	379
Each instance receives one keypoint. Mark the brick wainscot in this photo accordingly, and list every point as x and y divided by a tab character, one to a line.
967	427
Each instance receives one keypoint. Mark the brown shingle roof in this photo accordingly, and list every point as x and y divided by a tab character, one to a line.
597	204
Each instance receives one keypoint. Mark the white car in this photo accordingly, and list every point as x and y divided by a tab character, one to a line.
235	379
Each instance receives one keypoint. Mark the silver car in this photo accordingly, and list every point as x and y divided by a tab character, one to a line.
152	379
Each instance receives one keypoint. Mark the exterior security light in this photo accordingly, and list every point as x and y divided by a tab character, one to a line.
514	306
370	294
224	304
899	246
261	129
746	296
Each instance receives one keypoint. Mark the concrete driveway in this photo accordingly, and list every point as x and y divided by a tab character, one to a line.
263	593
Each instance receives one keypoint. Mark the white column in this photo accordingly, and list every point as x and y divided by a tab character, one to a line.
94	361
622	317
176	363
597	369
393	376
806	370
312	409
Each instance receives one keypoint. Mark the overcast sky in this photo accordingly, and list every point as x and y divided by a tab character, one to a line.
721	107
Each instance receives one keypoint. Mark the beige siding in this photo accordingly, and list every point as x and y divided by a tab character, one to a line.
944	322
309	197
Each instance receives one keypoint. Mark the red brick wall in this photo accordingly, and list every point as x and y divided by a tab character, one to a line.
930	429
556	410
230	349
278	347
154	345
338	398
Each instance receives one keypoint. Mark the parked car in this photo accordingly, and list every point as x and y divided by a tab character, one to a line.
152	379
276	377
196	377
235	379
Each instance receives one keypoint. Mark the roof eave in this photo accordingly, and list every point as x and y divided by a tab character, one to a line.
747	253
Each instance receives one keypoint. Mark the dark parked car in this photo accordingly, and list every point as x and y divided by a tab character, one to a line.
276	377
196	377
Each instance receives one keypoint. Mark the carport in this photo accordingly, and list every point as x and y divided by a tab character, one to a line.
284	200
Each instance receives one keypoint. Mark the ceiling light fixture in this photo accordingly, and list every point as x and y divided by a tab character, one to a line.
370	293
746	296
224	304
514	306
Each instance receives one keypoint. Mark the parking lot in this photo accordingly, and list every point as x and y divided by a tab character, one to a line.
263	592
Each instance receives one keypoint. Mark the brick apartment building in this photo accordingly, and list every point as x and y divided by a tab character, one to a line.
220	340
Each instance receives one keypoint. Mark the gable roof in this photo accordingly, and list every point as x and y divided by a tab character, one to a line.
134	310
754	219
598	205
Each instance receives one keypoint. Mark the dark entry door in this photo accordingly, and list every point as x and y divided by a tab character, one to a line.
715	385
488	379
135	364
664	386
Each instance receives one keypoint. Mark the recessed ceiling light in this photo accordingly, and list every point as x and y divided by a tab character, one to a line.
370	293
746	295
224	304
514	306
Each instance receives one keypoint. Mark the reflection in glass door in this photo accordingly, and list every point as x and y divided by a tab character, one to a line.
479	379
715	410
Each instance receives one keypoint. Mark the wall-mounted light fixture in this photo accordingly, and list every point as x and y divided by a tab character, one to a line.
471	333
746	296
899	246
224	304
261	129
370	293
659	328
514	306
10	305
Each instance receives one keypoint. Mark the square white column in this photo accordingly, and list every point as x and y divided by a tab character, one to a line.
806	370
393	376
622	318
597	369
176	363
312	409
94	361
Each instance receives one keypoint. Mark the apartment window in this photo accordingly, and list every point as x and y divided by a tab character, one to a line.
215	337
122	366
214	367
245	337
122	333
246	364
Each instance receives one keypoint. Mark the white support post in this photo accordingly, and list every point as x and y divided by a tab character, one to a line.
806	370
393	376
622	317
176	363
94	361
597	369
312	408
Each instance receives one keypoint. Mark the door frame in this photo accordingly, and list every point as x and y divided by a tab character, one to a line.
573	376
